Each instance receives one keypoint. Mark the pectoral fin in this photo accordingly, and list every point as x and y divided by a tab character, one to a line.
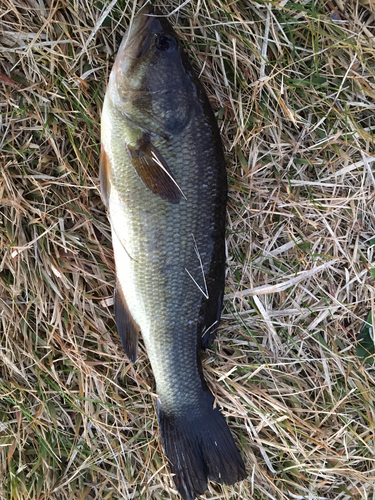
127	328
104	168
153	170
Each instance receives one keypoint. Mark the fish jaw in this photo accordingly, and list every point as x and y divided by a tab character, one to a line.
152	77
132	50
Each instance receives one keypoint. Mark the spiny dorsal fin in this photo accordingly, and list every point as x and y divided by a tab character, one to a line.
104	168
127	328
153	169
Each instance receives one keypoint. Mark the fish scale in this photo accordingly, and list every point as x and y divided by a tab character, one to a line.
171	299
163	180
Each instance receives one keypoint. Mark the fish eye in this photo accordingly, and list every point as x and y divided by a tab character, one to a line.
166	43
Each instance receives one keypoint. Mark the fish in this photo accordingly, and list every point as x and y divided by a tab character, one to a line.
163	180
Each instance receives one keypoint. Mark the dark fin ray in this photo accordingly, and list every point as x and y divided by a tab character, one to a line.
200	447
104	167
127	328
215	278
212	320
153	170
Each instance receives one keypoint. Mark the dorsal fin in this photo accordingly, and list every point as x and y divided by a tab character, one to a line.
211	321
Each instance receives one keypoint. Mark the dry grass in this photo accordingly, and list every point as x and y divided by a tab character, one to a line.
293	85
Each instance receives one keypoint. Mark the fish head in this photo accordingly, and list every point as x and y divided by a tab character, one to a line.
152	81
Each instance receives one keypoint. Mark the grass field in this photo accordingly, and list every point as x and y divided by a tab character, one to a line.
292	84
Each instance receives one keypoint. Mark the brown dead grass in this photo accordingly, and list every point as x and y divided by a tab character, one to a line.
293	86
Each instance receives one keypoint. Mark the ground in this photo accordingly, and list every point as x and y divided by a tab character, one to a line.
292	85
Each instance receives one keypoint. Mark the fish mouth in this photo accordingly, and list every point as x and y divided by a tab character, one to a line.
139	33
134	46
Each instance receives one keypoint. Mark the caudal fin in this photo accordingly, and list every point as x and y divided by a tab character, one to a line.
200	447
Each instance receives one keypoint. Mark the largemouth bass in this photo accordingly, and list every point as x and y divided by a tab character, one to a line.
163	180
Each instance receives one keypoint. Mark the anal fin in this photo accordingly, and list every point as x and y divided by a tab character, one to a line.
127	328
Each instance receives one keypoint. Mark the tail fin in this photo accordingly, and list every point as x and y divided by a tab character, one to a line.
200	447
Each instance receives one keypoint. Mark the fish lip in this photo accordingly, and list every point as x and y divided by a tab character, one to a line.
135	43
140	34
142	21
